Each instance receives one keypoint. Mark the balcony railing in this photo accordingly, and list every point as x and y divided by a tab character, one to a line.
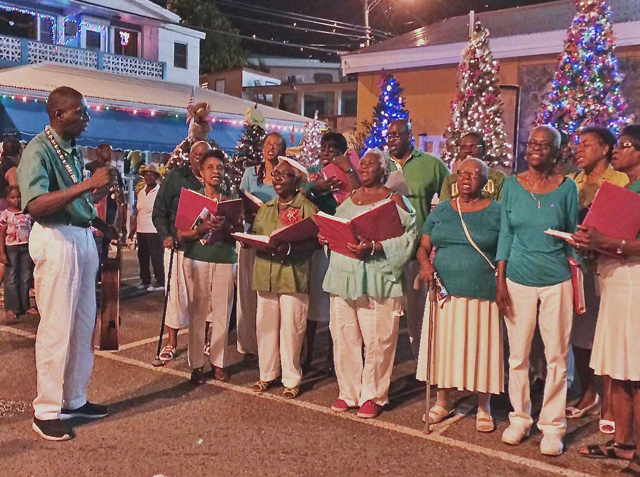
21	51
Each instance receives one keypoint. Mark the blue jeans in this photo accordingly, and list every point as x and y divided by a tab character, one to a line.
18	276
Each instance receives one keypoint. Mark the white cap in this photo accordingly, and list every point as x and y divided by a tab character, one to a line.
296	165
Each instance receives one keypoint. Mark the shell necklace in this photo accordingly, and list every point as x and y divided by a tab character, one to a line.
56	147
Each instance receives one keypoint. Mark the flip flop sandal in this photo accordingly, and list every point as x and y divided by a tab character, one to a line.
167	354
261	386
603	424
635	461
207	349
484	422
437	414
573	412
595	451
291	393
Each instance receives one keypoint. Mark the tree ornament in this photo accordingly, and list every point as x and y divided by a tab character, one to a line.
309	155
477	106
248	152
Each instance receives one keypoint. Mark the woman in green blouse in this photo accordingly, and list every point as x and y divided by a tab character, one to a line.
282	282
467	349
208	271
534	285
367	296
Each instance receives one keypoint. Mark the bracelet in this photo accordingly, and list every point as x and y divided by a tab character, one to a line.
288	250
350	171
620	249
373	247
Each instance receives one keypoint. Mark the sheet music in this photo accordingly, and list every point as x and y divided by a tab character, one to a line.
398	184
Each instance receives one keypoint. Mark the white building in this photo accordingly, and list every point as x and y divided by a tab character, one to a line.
124	37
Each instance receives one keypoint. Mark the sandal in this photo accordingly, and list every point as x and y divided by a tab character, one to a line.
207	349
220	374
33	311
576	413
595	451
261	386
484	422
606	426
635	461
437	414
291	393
167	354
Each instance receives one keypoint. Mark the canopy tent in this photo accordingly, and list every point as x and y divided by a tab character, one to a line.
128	113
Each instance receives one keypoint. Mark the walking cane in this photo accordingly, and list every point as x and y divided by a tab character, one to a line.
432	304
158	362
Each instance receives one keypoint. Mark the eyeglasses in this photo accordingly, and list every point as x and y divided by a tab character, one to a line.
279	175
624	145
395	135
473	147
468	175
536	144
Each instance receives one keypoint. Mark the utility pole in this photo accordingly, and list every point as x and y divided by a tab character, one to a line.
368	6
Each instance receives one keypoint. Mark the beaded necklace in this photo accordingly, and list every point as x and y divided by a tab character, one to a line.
52	140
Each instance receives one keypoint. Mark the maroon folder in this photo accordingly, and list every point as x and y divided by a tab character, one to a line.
304	230
191	205
331	170
615	212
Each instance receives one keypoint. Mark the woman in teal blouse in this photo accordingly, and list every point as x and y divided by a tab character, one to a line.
208	271
534	285
367	296
467	346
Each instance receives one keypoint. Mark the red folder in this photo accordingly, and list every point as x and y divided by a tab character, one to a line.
331	170
191	205
250	203
298	232
379	223
615	212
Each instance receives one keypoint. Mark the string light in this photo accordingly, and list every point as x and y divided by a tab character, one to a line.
43	16
95	27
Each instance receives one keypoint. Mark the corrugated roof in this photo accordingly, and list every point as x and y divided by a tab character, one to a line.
501	23
45	77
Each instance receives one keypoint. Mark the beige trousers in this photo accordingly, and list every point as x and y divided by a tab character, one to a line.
372	323
66	263
416	301
210	299
281	321
177	312
555	317
246	304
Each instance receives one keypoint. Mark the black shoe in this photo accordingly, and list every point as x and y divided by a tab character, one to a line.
250	358
54	430
197	376
88	411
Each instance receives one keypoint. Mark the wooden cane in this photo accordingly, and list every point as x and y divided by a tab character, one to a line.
158	362
432	304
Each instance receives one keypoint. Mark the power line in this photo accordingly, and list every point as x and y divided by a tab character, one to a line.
302	47
300	17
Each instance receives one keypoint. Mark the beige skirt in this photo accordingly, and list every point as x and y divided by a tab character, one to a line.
616	346
467	349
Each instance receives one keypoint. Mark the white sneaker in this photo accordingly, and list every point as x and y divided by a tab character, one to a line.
551	445
514	434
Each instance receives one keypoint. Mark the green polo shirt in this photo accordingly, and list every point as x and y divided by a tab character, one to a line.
492	190
292	275
165	207
425	175
41	171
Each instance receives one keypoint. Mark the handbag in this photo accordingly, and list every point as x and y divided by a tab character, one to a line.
471	242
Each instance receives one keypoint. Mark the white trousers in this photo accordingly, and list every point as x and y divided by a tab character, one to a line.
246	304
555	317
281	321
374	324
66	264
177	311
416	301
210	299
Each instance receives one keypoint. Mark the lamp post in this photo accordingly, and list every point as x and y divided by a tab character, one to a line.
368	6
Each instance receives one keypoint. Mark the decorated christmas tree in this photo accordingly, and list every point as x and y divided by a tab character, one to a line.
389	108
309	155
477	106
249	149
586	89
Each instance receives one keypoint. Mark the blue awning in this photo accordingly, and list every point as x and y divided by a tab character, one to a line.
120	129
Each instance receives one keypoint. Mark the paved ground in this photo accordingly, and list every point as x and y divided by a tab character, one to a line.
161	425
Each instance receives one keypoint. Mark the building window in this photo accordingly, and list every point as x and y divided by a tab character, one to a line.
221	86
46	30
180	55
94	40
125	42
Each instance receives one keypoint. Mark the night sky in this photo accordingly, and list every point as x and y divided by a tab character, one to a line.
393	16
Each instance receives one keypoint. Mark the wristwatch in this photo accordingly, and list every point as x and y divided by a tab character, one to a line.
350	171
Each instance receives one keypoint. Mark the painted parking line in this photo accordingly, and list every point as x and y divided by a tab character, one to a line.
404	430
135	344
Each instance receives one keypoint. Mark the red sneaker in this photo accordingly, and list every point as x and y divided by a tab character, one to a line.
369	410
340	406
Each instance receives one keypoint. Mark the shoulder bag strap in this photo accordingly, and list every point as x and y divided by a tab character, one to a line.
473	244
